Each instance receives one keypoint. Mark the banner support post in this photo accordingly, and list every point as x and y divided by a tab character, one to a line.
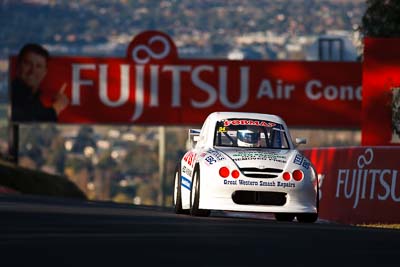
161	164
13	142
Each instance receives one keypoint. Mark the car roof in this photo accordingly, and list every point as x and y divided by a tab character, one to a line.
207	131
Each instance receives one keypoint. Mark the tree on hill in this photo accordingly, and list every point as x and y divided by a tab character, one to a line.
381	19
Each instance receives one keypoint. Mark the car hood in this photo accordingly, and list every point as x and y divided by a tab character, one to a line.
258	158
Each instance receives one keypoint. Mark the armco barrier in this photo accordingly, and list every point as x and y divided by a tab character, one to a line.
358	184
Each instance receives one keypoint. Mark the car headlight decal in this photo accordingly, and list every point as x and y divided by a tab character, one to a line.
235	174
286	176
298	175
224	172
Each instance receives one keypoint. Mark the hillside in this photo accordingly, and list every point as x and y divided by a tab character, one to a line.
32	182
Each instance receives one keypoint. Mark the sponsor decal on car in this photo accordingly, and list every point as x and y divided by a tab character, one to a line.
216	154
212	156
302	161
186	183
249	122
189	158
210	160
187	171
255	155
260	183
222	129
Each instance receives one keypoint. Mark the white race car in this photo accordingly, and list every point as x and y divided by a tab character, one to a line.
245	162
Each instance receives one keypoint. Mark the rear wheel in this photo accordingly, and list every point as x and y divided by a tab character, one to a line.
195	195
177	199
284	217
307	217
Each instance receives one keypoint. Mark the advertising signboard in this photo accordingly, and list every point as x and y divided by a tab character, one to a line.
358	184
153	86
381	92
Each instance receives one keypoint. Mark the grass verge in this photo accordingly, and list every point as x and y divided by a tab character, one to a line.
381	225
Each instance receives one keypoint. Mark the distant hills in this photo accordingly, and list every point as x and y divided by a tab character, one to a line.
195	22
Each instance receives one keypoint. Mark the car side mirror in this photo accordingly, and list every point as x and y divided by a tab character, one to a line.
301	140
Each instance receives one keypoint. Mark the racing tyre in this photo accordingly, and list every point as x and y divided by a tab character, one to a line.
177	198
307	217
195	195
284	217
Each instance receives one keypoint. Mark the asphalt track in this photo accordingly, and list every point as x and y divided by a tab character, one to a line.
60	232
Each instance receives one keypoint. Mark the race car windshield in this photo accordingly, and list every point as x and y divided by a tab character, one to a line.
250	133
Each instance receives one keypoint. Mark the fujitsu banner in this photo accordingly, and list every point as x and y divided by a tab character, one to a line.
358	184
381	92
152	85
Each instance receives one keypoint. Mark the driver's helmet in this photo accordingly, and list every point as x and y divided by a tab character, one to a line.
248	138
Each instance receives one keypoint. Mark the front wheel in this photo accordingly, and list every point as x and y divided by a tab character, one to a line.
307	217
177	199
195	195
284	217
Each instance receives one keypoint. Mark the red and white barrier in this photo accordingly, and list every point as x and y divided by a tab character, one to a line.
358	184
